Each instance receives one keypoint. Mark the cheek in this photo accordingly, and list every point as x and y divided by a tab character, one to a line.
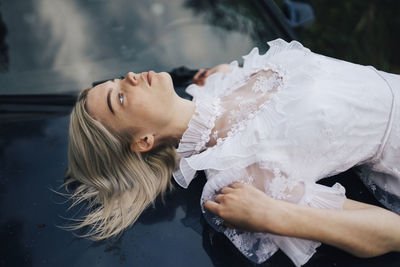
144	108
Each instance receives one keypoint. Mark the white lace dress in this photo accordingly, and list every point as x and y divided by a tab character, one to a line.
285	120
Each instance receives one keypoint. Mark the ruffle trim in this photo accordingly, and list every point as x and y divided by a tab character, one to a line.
219	84
195	138
244	149
320	196
315	196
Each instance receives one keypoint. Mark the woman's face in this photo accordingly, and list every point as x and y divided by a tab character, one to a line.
140	101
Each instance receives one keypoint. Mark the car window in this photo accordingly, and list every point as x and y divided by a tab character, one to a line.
64	45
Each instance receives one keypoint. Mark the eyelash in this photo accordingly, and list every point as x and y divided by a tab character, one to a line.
121	98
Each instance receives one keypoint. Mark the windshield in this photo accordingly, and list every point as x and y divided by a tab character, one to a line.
64	45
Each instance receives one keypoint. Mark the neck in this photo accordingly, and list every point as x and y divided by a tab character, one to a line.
183	111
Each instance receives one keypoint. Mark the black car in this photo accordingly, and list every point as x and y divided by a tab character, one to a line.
50	50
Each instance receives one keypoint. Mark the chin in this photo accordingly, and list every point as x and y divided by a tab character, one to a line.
166	74
168	80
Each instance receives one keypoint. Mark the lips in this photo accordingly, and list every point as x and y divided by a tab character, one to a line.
150	76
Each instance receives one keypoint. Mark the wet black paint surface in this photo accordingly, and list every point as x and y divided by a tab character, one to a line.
33	158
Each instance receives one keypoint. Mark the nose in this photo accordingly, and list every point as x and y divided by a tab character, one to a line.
132	78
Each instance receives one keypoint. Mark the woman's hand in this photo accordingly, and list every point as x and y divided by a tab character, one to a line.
245	207
200	77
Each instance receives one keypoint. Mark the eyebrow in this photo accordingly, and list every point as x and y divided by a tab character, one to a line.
109	101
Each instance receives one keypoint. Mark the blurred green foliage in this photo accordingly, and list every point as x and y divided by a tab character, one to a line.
360	31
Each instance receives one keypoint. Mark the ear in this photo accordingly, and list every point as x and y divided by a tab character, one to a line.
143	144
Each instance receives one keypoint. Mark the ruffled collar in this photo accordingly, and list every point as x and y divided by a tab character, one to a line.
195	138
208	108
197	135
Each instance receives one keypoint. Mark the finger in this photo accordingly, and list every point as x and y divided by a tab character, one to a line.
204	74
197	75
209	72
226	190
199	82
211	206
219	198
237	185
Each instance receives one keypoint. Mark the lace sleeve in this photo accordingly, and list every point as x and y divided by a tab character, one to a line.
258	247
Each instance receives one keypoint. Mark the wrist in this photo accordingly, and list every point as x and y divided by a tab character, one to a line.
295	220
277	217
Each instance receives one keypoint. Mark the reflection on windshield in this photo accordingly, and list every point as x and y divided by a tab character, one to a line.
64	45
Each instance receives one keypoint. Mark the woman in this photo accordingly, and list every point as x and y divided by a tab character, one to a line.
285	120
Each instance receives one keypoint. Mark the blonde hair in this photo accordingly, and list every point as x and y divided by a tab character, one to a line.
116	183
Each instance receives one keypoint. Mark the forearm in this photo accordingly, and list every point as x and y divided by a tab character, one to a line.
361	229
364	232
